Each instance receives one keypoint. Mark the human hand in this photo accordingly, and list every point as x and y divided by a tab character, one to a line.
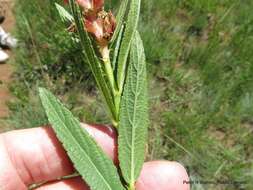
35	155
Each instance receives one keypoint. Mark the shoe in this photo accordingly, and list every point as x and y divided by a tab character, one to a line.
8	41
3	56
2	18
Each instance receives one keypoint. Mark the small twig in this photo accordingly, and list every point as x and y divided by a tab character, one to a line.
35	186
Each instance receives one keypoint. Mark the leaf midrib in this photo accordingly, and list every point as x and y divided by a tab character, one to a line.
107	184
133	124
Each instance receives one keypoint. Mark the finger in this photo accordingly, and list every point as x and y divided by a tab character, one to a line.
163	175
35	155
160	175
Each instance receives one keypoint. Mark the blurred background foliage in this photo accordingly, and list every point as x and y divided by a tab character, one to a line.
200	63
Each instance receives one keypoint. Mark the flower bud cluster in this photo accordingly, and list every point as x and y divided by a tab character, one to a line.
99	23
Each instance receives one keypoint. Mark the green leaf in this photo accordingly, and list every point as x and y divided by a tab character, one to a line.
131	27
120	20
64	14
134	122
66	17
116	48
90	161
92	59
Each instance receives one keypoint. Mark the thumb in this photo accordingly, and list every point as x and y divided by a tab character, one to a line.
163	175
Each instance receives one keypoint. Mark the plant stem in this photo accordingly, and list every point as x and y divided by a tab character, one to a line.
108	67
131	187
117	99
110	76
109	73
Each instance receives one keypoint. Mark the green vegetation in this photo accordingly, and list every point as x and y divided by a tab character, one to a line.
201	86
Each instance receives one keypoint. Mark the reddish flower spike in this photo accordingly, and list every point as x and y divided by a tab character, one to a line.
98	4
95	27
102	27
91	5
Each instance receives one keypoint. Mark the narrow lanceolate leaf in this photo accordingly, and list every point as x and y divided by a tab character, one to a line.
120	20
64	14
91	58
131	27
116	48
134	115
88	158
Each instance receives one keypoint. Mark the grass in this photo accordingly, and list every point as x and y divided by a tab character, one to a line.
205	74
199	54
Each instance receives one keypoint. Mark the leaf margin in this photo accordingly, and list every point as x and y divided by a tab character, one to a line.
130	172
80	135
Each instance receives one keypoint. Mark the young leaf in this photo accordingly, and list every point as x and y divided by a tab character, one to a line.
64	14
131	27
116	48
89	160
120	19
66	17
133	123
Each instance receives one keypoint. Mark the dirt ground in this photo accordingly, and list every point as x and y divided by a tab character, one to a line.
6	68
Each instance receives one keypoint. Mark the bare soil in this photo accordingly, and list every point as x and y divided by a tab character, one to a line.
6	69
